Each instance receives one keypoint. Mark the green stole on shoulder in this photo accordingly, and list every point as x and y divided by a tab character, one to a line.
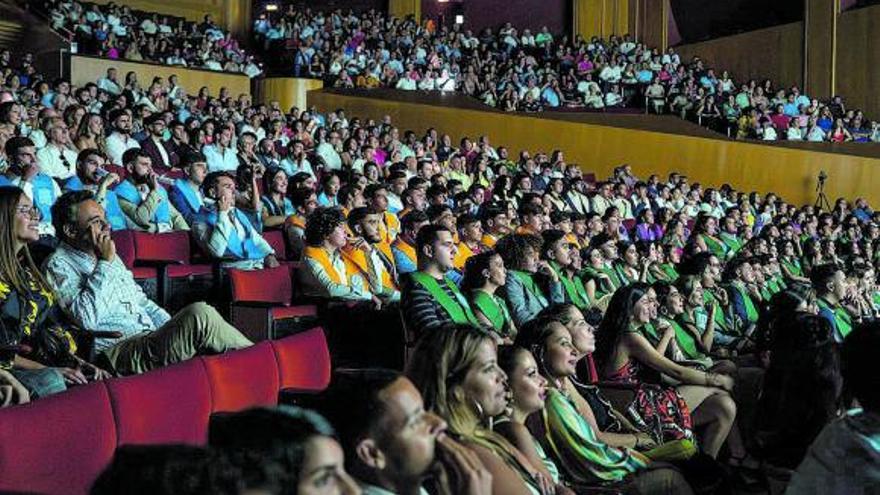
751	311
575	291
670	271
685	340
731	241
720	320
794	267
717	248
842	318
528	281
492	308
458	308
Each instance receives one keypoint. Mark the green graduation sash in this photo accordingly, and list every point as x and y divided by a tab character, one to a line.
794	267
717	248
732	241
751	310
528	282
492	308
457	308
574	288
720	320
685	340
842	318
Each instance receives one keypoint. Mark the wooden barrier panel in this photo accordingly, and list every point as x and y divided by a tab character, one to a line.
84	69
287	91
746	166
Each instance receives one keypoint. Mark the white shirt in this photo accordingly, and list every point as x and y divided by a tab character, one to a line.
51	164
166	161
328	153
226	160
118	144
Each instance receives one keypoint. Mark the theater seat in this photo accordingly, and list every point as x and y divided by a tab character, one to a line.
261	304
243	379
59	444
145	276
275	238
303	361
168	405
179	282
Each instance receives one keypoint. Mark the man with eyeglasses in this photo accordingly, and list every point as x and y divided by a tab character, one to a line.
95	288
57	159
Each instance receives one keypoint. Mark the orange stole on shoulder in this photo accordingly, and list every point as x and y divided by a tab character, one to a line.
489	241
296	221
357	259
461	257
320	256
406	248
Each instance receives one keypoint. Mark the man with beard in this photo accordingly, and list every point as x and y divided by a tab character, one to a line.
162	155
24	172
225	231
91	176
120	140
145	202
404	247
363	255
186	193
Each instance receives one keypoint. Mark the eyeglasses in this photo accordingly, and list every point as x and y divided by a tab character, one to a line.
30	211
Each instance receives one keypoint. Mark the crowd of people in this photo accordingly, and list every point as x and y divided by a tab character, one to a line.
118	32
648	335
518	70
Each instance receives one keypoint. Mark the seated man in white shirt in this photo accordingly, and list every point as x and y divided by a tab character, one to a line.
221	156
57	159
120	140
143	200
224	231
109	83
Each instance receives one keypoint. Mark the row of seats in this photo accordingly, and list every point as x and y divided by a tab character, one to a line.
60	444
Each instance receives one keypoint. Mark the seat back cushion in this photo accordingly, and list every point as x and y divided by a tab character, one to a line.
243	379
58	444
168	405
303	361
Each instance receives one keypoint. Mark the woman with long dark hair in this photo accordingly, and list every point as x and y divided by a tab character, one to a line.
484	274
625	354
29	313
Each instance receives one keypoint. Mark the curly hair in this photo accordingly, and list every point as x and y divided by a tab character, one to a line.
321	224
512	249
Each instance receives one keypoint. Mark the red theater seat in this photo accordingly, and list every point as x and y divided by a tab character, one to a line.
168	405
303	361
243	379
180	283
57	445
145	276
260	306
275	238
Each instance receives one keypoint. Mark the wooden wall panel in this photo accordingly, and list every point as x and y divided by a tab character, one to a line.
404	8
747	166
601	17
776	53
89	69
858	60
820	32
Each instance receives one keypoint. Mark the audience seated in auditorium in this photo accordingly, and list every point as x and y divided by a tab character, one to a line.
143	199
94	288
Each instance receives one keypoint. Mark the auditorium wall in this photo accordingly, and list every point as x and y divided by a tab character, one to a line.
858	61
480	14
85	69
776	53
748	166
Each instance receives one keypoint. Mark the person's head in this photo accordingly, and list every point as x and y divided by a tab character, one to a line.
583	332
219	185
364	222
457	372
829	281
435	247
520	251
469	228
22	156
121	121
138	165
79	220
484	270
180	470
556	248
858	366
326	227
442	215
301	442
550	343
532	216
330	184
90	166
17	211
195	165
528	388
630	306
304	201
671	302
384	428
376	196
495	221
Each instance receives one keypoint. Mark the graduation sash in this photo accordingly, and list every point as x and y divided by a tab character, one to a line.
457	309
